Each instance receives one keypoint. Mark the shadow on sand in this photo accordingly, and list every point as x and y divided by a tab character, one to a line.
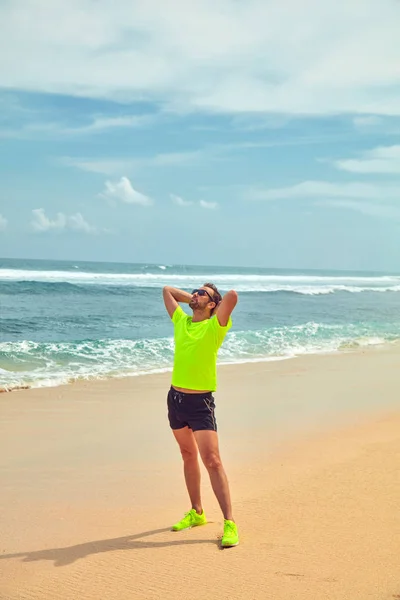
70	554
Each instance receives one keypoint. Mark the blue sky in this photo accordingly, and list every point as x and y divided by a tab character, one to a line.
258	133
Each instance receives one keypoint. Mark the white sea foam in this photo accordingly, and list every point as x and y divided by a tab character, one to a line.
54	363
300	284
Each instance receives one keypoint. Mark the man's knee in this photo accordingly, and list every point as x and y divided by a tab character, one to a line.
211	460
188	454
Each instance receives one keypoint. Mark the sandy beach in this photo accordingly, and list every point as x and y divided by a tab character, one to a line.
91	482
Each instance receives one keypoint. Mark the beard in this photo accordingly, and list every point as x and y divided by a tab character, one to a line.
193	304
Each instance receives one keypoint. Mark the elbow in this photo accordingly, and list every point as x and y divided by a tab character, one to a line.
234	295
232	298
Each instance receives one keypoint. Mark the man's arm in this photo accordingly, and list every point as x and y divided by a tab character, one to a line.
225	307
172	296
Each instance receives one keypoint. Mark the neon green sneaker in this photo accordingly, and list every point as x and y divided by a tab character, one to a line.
191	519
231	536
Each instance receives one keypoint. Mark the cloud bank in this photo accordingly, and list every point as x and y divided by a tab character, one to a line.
282	56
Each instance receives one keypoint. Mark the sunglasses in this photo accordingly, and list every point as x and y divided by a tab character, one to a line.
203	293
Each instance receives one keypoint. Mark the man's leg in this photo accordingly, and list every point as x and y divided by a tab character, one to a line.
207	442
191	467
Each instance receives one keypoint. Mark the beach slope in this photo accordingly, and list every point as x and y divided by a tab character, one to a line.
91	482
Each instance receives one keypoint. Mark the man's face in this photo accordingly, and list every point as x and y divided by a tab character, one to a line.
201	297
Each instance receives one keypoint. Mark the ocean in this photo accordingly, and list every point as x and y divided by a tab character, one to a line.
61	321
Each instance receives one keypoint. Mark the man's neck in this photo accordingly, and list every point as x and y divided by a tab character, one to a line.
199	315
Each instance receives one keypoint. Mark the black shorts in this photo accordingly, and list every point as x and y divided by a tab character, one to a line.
196	411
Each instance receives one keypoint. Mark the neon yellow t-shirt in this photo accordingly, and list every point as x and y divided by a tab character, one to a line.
196	349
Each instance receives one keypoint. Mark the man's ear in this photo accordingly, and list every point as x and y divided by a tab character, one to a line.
214	308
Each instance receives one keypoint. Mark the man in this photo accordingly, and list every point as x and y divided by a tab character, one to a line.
190	399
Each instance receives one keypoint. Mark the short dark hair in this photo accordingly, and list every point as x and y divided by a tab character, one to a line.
216	295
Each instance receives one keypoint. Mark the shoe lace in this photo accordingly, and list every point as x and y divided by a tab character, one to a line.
188	515
229	528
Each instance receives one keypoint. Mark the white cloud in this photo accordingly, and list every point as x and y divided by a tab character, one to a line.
366	208
208	205
101	123
251	122
324	189
180	201
3	223
42	223
367	122
98	124
115	166
172	159
108	166
123	191
369	199
384	159
279	56
76	222
209	153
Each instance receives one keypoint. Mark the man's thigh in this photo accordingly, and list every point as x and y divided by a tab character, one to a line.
207	442
186	440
